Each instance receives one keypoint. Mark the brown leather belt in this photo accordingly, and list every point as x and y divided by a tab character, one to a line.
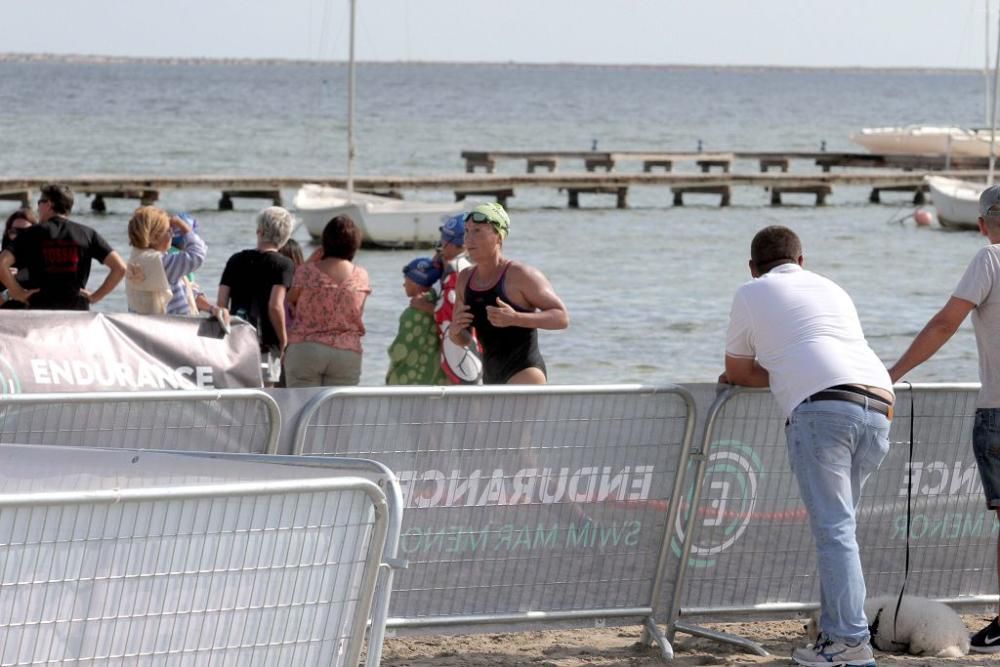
851	395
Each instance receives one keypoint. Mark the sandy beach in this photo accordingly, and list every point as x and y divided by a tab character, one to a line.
619	647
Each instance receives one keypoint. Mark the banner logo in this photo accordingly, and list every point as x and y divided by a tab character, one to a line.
546	486
728	498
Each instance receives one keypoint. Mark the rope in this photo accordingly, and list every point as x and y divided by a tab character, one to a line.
897	219
909	504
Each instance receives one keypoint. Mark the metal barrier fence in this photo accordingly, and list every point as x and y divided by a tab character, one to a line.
269	565
522	503
228	420
386	480
750	549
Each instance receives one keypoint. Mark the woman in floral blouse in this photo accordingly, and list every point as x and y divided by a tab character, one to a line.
328	299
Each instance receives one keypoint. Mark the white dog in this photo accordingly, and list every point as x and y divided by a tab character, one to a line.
923	627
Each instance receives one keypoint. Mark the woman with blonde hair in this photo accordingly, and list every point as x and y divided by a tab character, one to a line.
146	285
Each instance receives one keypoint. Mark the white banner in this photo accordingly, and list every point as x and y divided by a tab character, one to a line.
64	351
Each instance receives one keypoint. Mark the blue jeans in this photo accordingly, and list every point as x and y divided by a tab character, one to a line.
833	447
986	447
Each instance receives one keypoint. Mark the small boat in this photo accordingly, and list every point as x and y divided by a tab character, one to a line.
925	140
956	201
384	222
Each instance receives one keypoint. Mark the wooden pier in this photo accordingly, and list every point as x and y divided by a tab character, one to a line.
705	161
147	189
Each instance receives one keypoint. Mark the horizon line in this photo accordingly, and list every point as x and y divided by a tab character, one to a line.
102	59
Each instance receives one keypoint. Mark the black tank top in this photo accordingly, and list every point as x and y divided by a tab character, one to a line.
506	350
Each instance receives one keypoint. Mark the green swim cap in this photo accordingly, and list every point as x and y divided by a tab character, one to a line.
494	214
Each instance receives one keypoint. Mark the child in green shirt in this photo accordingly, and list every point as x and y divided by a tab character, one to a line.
414	356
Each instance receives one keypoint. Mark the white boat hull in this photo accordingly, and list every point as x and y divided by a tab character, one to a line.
956	201
924	140
384	222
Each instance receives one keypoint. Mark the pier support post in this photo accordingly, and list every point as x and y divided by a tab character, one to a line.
600	161
500	194
99	205
23	196
707	164
489	165
475	159
918	193
620	192
226	200
820	191
724	192
548	163
767	163
649	165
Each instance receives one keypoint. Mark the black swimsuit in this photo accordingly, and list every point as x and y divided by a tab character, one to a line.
506	350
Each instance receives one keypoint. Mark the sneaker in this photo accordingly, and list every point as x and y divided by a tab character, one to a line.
987	640
828	653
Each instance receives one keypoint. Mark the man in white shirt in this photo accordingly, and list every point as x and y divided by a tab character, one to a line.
976	293
799	334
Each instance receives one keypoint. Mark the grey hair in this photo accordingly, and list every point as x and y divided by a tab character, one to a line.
274	224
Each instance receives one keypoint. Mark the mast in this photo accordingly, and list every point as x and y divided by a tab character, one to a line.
993	108
350	102
986	62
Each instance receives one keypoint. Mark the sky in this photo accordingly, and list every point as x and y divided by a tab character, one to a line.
794	33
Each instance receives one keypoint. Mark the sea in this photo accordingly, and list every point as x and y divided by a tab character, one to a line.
648	288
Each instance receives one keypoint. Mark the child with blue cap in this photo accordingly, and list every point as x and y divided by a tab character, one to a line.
453	230
414	355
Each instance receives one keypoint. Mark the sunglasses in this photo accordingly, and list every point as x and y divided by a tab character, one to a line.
43	201
476	216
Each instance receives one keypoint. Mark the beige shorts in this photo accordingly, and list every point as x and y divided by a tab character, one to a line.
316	365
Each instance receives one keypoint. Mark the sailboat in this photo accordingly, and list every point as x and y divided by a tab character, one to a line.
957	201
384	222
930	139
925	140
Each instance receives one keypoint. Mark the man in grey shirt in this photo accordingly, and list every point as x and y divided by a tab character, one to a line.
978	292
